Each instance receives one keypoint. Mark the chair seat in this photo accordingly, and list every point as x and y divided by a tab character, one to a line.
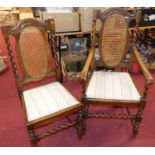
47	99
112	86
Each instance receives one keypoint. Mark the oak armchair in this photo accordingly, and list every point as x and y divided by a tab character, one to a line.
112	85
32	63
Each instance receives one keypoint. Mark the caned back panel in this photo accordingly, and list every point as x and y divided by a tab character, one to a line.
113	40
33	52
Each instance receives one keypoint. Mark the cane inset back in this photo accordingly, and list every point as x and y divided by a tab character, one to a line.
113	37
33	52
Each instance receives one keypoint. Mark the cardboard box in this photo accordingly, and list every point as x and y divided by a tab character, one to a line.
25	13
64	22
8	17
87	17
5	8
4	17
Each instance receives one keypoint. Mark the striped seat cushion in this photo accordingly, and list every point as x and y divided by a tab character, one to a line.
47	99
112	86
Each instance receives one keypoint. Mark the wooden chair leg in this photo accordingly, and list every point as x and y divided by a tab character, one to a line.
137	121
85	108
86	111
81	124
33	138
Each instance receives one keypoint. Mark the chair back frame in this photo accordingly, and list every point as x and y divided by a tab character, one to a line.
42	30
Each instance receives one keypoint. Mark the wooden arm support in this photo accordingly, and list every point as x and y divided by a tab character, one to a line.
85	70
147	74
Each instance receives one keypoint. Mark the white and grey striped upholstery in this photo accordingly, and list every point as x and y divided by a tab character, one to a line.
47	99
112	86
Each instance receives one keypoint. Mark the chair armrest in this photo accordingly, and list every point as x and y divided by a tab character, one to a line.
84	72
145	71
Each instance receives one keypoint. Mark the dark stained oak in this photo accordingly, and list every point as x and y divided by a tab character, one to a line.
32	62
